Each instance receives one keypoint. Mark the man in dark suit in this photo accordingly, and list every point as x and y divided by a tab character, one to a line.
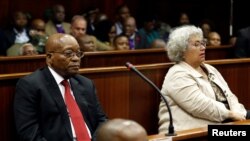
39	105
242	45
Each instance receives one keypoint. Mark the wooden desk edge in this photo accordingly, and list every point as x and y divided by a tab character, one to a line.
192	133
106	53
139	67
181	135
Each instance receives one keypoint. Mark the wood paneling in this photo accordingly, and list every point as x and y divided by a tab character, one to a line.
105	59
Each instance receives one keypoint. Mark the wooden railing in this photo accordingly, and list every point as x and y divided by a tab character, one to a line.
106	59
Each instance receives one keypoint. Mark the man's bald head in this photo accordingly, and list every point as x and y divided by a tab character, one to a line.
59	40
38	24
121	130
129	26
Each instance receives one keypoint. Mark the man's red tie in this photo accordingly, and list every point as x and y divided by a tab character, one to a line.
75	115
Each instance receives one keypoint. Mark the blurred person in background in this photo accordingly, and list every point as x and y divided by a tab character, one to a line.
27	50
122	12
121	42
57	23
214	39
18	32
79	28
87	43
38	35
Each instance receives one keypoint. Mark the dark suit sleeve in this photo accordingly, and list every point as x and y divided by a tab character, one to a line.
26	104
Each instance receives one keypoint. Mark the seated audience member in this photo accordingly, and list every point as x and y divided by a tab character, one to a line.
158	43
18	32
147	33
121	130
232	40
163	29
130	30
38	35
78	28
214	39
196	91
86	43
105	31
91	16
242	44
57	24
183	19
120	42
122	12
27	49
55	103
206	26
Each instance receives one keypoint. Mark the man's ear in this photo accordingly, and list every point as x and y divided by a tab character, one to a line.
48	58
48	55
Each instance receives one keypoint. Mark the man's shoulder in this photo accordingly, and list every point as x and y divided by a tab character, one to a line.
49	23
33	79
36	74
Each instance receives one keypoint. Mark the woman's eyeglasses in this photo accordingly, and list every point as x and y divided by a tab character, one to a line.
199	44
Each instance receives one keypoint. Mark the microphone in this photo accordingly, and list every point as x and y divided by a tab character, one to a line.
171	131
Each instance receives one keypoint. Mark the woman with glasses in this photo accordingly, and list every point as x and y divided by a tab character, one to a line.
197	93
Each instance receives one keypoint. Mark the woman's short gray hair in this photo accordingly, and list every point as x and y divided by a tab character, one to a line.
178	41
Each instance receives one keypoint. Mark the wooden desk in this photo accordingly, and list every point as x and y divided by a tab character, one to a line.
105	59
195	134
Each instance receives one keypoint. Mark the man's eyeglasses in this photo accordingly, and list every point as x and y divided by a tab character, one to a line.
70	53
199	44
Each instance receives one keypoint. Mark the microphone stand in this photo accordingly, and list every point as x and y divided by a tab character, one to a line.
171	131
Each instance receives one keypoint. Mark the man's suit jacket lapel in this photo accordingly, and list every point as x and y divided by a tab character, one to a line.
55	93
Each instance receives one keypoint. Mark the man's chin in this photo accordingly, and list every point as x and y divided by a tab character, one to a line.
73	71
